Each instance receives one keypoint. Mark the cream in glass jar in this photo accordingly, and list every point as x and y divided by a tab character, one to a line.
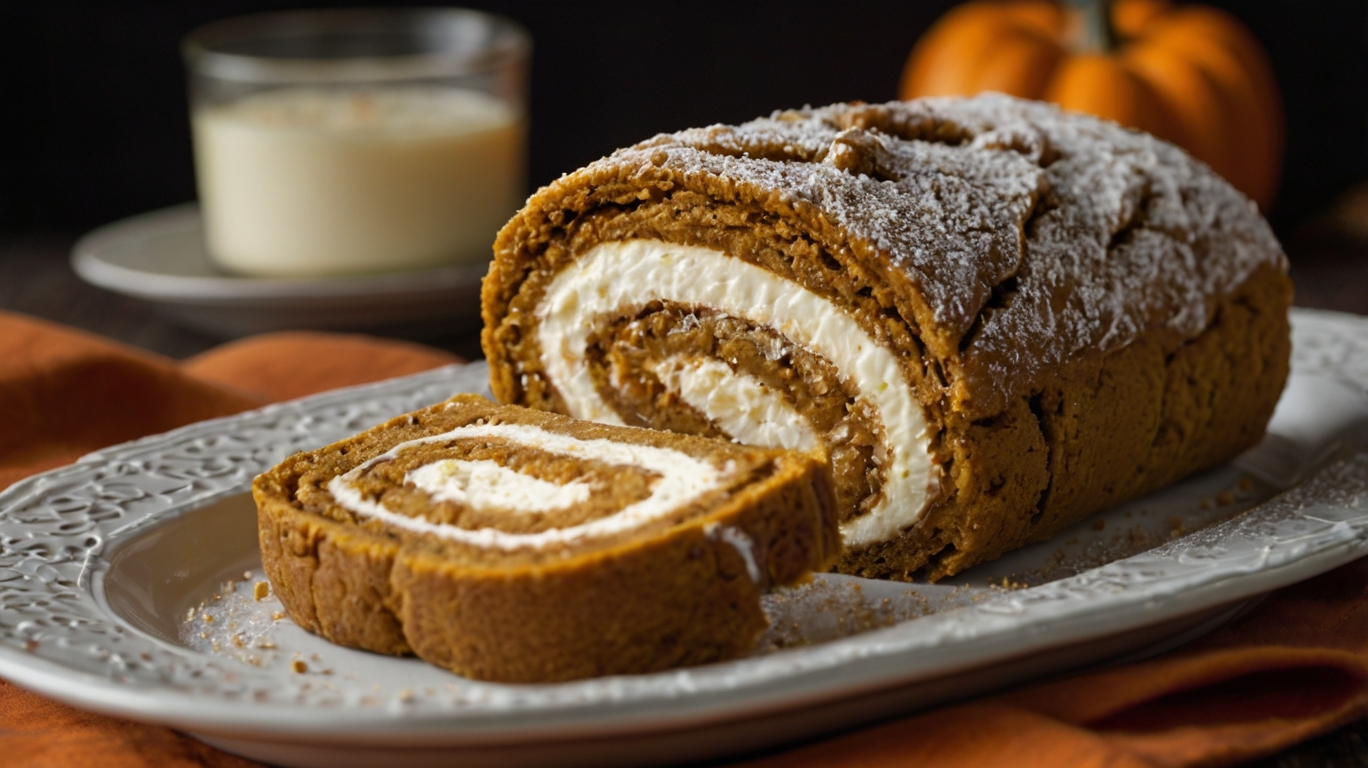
318	153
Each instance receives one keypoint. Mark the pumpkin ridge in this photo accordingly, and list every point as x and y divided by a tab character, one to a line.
1252	96
1201	109
1022	62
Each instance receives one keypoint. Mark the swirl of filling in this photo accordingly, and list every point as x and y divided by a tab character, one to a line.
744	407
617	279
678	479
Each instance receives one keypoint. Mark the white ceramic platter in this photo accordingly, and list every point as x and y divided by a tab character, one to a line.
160	257
109	568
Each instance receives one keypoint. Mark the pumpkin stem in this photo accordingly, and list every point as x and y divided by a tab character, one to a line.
1095	34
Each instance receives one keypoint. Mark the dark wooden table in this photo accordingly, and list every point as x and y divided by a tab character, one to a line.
1330	269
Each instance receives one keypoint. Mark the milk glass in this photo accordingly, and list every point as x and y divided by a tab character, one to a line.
352	141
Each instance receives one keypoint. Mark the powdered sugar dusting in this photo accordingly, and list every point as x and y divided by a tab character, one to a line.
1016	235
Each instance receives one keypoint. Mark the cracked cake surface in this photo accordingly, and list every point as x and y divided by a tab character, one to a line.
1077	313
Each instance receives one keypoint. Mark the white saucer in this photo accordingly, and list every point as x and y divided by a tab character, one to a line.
160	257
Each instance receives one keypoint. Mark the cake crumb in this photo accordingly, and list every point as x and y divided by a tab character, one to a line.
1225	498
261	591
277	615
299	666
1176	527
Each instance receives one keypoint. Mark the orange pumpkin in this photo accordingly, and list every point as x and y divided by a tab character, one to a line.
1190	74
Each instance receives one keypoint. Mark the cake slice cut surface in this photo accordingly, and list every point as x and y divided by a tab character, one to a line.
515	545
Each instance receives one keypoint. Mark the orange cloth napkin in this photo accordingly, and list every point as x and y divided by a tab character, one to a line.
1295	667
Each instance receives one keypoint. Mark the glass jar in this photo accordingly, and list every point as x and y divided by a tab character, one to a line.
352	141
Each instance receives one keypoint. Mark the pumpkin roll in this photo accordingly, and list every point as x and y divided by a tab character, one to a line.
516	545
993	316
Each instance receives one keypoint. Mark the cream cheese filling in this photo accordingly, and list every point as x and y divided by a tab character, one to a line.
743	544
738	403
682	479
614	276
483	484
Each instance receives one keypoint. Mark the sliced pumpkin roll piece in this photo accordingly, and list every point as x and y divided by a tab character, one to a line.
995	317
515	545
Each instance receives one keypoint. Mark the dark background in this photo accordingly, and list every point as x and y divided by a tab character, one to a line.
94	126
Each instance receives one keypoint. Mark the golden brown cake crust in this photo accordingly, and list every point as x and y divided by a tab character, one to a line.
1083	312
676	590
